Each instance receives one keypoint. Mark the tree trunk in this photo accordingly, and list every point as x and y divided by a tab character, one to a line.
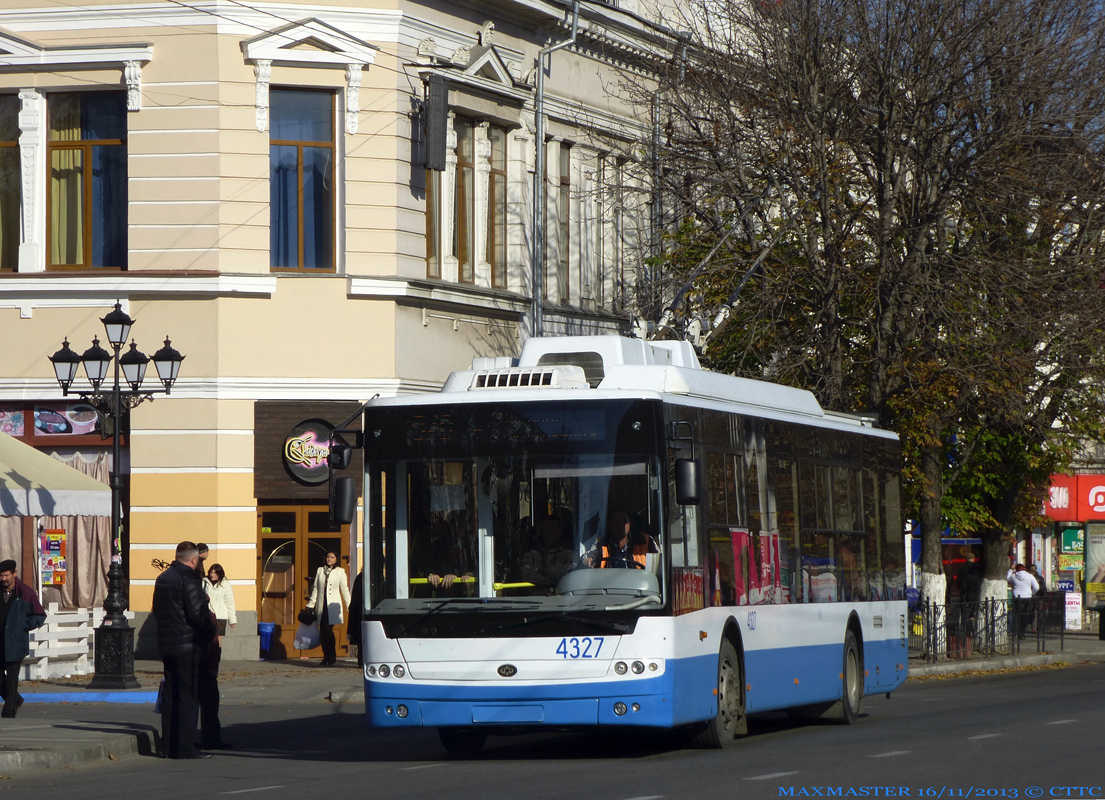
933	582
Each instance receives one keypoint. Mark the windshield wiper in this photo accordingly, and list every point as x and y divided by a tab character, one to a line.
446	602
485	603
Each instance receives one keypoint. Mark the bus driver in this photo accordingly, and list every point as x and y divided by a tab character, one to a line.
622	547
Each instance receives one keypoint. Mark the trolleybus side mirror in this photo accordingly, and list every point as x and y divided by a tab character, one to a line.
340	455
686	481
343	500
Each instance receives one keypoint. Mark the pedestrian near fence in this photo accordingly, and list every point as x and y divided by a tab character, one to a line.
1024	587
20	613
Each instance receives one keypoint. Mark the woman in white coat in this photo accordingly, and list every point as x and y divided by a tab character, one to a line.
331	585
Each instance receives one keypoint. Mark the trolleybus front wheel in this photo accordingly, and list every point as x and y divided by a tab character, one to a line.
730	720
851	698
462	741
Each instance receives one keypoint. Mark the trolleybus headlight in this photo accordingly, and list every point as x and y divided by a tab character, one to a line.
620	668
636	707
619	709
638	667
388	711
398	672
385	670
653	666
401	712
372	671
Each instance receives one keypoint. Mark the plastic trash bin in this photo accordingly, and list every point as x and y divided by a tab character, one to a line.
265	629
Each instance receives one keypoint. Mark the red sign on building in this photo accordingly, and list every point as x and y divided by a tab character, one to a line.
1076	498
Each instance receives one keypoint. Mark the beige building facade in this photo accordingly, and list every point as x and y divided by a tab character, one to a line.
249	180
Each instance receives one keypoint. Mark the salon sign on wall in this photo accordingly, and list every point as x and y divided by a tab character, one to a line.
306	450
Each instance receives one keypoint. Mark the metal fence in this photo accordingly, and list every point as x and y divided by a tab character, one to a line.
958	631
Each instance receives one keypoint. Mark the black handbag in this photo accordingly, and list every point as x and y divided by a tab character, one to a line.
307	616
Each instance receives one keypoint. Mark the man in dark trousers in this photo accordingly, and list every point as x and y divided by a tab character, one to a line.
20	613
185	626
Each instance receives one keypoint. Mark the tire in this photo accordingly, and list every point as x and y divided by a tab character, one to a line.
851	698
730	720
462	741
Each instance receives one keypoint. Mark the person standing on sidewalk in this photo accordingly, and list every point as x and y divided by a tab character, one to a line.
185	626
1024	587
330	588
20	613
220	596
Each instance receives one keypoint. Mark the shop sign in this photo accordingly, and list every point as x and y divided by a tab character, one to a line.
306	450
1071	540
1075	498
1064	585
1068	562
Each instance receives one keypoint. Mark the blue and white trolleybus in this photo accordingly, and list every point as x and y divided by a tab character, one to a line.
602	533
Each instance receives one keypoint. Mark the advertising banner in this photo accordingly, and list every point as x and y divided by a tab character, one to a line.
1074	611
52	563
1068	562
690	589
1071	540
1095	565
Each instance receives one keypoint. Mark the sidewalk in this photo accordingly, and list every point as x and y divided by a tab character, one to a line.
51	744
1077	647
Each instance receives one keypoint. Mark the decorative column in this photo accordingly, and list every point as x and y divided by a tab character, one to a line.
262	70
32	165
450	267
352	98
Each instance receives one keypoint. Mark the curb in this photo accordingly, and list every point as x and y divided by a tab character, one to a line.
995	664
140	742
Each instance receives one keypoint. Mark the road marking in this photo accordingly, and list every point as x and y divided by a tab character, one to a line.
984	736
647	797
1062	721
891	753
421	766
771	775
258	789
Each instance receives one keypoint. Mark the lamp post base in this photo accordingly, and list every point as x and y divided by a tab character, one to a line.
114	658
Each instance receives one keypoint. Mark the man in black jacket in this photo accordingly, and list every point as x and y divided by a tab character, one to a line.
184	627
20	613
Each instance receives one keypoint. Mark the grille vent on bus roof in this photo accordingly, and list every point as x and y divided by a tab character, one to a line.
559	377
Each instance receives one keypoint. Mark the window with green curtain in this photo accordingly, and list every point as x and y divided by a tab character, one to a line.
9	182
301	180
86	147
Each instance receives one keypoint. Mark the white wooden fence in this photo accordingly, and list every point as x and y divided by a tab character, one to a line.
64	645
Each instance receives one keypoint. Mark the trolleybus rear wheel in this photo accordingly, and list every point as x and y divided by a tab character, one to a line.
462	741
729	722
851	698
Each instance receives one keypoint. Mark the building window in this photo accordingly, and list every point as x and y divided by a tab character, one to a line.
496	208
301	180
464	206
87	190
9	182
564	222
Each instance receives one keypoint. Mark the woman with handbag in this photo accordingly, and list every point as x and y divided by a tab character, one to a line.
329	589
220	598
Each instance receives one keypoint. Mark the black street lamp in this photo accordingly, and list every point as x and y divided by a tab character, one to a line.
114	637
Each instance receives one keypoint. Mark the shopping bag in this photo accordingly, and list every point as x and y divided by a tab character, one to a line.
306	637
160	692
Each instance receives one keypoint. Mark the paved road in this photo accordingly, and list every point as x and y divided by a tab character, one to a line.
997	736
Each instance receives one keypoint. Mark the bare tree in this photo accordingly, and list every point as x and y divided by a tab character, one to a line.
905	197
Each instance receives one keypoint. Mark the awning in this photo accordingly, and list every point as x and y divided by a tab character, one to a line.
32	484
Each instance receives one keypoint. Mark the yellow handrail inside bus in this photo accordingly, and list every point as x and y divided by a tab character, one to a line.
498	587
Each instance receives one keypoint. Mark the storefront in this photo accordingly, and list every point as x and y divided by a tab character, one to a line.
1076	503
65	557
294	534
